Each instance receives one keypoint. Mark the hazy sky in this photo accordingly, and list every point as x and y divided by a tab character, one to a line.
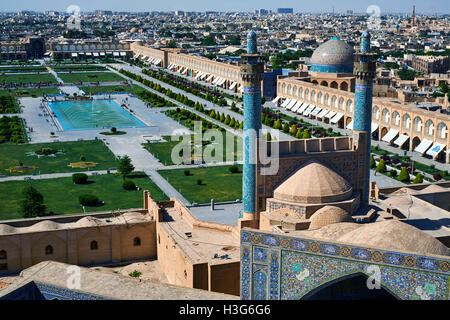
422	6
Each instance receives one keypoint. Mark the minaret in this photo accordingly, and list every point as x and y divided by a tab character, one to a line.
364	71
252	73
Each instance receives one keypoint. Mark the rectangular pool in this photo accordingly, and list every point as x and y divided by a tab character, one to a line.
93	114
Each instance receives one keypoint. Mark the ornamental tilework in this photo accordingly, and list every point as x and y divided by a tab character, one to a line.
296	266
53	292
363	107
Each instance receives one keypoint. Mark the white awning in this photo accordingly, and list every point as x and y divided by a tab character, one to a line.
89	53
184	71
210	77
123	54
286	102
373	127
116	54
435	149
170	66
102	53
401	140
297	106
234	85
423	146
302	108
276	99
336	118
221	82
158	61
216	80
142	58
135	56
198	75
316	111
240	88
74	54
350	125
330	114
322	113
388	137
204	76
309	110
95	54
291	104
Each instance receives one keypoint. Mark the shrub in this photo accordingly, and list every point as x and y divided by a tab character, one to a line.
437	177
83	158
381	166
113	129
187	173
306	134
128	185
395	160
393	173
418	178
88	200
199	182
79	178
372	162
403	175
234	169
135	274
444	173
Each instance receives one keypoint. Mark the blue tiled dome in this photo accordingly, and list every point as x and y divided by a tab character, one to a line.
333	56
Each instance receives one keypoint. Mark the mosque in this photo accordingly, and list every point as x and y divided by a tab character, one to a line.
316	229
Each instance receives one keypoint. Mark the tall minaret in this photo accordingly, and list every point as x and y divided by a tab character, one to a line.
252	73
364	71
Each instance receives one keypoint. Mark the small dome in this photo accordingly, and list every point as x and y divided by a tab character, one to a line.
314	183
395	235
334	56
44	226
328	215
86	222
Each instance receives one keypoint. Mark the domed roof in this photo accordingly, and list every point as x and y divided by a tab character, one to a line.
251	34
395	235
44	226
6	229
328	215
334	56
314	183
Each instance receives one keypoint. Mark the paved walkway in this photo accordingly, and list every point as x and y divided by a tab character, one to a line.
165	186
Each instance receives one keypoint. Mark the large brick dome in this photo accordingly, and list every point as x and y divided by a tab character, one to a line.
314	183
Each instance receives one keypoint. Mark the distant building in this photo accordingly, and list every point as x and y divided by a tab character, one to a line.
285	10
430	64
261	12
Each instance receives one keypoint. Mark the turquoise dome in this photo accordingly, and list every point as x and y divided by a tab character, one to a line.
333	56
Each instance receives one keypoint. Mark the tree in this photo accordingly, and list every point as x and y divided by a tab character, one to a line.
227	119
212	114
306	134
285	127
403	175
277	124
372	162
293	130
381	166
418	178
33	203
268	136
299	134
125	166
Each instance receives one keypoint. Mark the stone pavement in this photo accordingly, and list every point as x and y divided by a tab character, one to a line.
165	186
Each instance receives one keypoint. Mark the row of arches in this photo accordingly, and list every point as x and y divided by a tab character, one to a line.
405	122
194	63
86	47
333	84
318	97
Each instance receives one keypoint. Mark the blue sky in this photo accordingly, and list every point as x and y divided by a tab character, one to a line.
388	6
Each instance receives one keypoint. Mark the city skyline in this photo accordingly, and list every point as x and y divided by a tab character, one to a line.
424	7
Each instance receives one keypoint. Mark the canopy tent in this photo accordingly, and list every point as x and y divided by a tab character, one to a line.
276	99
435	149
233	85
309	110
400	141
285	103
315	112
330	115
322	113
350	125
388	137
297	106
302	108
291	104
336	118
423	146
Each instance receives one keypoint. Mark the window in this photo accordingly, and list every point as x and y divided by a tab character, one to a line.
137	242
94	245
3	255
48	250
3	266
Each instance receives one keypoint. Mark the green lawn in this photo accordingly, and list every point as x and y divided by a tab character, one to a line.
61	194
30	92
106	89
217	183
163	150
94	150
21	69
27	78
77	77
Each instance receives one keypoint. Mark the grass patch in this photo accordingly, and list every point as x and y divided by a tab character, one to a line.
217	183
111	89
30	92
90	77
93	150
19	79
163	150
61	194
